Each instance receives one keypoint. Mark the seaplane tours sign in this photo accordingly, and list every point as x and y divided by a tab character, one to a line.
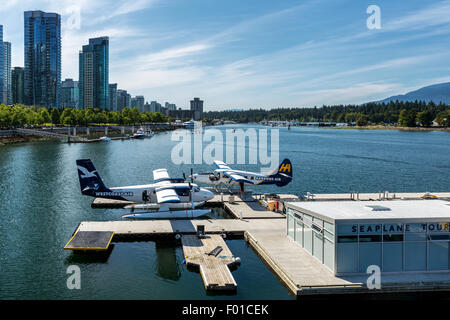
394	228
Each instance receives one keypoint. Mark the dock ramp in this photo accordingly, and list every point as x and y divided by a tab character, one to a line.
214	270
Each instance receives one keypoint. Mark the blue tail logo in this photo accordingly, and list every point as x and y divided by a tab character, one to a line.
90	181
284	173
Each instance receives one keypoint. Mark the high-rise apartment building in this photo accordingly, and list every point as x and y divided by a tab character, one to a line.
94	74
17	83
42	77
197	109
1	63
138	102
122	96
69	94
113	97
7	95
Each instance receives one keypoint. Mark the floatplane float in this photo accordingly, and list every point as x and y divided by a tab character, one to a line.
168	197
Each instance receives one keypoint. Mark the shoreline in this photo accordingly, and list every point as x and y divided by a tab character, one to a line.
16	139
381	127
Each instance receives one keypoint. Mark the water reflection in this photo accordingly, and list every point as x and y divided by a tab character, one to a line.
89	256
166	261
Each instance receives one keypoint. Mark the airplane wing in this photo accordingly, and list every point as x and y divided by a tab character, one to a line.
166	195
221	164
160	175
237	177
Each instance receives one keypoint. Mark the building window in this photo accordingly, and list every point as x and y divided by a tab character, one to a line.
415	256
438	252
347	257
369	254
392	256
290	226
299	232
308	235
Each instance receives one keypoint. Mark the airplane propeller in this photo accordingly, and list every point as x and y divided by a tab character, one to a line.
191	198
192	175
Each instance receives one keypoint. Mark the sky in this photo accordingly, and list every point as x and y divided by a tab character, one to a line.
254	53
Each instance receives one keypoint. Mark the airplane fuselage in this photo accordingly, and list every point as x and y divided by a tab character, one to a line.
218	178
147	194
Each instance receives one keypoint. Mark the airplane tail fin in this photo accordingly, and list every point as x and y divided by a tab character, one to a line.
284	172
90	181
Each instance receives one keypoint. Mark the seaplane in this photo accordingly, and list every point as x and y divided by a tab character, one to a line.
166	197
228	177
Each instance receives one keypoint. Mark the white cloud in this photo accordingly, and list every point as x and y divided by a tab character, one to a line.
433	15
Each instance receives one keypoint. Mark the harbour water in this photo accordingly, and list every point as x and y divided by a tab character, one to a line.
41	205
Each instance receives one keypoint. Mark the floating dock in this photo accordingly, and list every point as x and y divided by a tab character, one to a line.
90	240
251	210
214	269
265	231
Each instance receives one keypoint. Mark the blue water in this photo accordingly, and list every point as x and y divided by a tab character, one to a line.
41	205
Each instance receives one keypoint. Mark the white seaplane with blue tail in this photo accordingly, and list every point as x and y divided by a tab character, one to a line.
166	197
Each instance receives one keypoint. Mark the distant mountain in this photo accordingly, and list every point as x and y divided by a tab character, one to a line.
437	93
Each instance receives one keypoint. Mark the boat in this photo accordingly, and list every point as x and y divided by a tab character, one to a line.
193	125
105	139
140	134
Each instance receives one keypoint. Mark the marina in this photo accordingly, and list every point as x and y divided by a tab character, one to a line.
148	251
270	236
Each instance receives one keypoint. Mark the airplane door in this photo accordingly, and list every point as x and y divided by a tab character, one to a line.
145	196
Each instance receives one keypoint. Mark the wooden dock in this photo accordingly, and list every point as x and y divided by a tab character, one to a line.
214	270
251	210
301	273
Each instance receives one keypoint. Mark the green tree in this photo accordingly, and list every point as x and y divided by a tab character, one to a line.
45	115
362	121
54	115
443	118
425	118
407	118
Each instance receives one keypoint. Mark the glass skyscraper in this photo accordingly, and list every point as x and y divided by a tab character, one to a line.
94	74
7	94
42	78
113	97
17	85
1	63
69	94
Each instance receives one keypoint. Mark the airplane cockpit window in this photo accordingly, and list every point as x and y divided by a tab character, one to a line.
183	192
214	176
196	189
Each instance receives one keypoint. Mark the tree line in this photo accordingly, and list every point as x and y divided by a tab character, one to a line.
20	115
407	114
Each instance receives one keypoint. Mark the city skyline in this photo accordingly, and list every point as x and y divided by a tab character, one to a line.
262	54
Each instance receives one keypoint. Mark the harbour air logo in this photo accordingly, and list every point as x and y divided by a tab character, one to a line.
285	167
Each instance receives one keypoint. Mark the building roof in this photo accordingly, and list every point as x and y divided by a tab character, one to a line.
376	210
